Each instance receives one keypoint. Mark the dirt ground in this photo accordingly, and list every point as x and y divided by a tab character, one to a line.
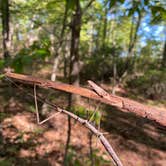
138	142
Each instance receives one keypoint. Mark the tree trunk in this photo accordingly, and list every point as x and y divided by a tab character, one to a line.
74	49
114	76
130	47
5	27
74	64
57	53
104	27
66	55
132	43
164	55
91	44
133	37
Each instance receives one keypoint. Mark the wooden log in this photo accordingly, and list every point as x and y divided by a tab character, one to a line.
124	104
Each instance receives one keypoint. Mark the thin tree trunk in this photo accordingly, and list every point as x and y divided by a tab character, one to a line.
66	55
164	55
74	67
5	27
91	44
91	149
68	137
132	43
57	53
114	76
104	27
74	61
74	49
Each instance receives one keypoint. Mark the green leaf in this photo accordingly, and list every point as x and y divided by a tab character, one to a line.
71	4
131	11
146	2
5	163
26	59
41	53
158	13
17	64
51	5
112	3
2	76
2	63
122	1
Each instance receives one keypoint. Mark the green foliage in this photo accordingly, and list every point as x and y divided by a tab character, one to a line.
20	61
28	56
158	13
112	3
38	131
2	63
102	61
95	117
152	84
2	76
71	4
91	115
5	162
32	108
3	115
74	159
99	160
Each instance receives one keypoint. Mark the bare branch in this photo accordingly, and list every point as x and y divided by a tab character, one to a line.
37	110
100	136
50	117
36	105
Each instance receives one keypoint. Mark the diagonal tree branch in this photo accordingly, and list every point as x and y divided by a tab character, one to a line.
124	104
99	135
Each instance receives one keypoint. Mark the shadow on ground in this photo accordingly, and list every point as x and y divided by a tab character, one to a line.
134	128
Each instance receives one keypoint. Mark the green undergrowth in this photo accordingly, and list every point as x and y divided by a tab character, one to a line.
93	116
6	162
75	159
150	85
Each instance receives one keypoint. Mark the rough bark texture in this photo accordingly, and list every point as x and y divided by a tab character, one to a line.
124	104
75	26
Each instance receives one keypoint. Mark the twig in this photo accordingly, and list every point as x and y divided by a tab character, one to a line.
37	110
36	105
50	117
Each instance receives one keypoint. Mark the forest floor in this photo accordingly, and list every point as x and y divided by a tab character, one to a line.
138	142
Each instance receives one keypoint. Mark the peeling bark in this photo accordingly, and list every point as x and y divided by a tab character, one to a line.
124	104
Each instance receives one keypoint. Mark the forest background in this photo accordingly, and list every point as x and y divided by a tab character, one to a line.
120	44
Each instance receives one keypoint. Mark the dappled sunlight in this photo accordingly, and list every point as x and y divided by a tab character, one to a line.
136	138
82	83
